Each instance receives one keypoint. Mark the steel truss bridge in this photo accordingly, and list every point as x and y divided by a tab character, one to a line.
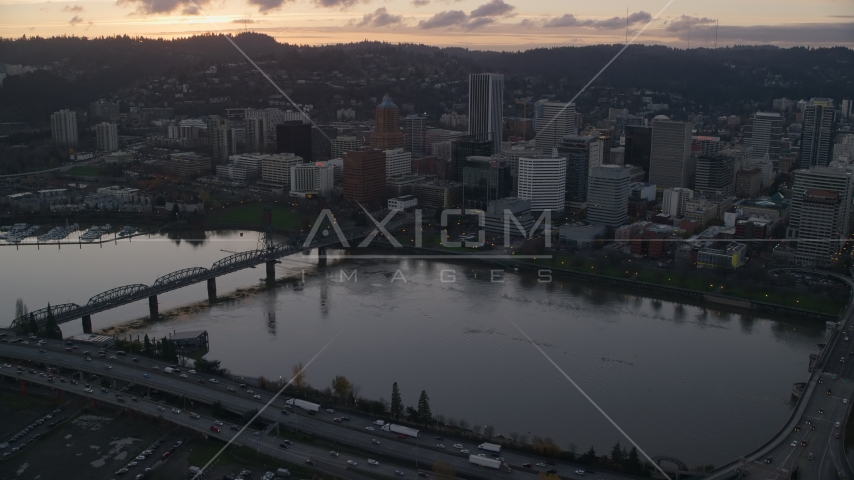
115	297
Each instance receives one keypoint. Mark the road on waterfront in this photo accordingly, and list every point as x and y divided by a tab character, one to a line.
423	452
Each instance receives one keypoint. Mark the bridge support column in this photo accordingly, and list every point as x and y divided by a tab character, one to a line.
152	307
321	256
271	272
212	290
87	323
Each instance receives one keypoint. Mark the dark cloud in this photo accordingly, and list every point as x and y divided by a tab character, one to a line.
73	8
244	20
149	7
444	19
569	20
812	34
75	20
639	17
380	18
342	4
479	22
685	22
420	3
265	6
494	8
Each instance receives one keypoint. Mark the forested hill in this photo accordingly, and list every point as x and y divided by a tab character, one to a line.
77	70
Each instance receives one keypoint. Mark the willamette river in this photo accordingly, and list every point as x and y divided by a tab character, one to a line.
700	385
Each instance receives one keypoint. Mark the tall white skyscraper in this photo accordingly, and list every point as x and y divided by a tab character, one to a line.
674	199
763	134
107	136
554	120
542	179
838	180
63	126
608	195
486	107
415	135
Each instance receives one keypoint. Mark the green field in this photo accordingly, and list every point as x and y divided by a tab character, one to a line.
252	215
84	170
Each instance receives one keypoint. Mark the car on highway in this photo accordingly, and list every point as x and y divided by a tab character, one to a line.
141	457
310	461
842	359
217	423
399	473
214	429
373	462
195	415
458	445
329	410
828	392
527	465
820	410
352	463
256	397
803	443
183	375
369	429
135	359
465	450
176	410
192	372
178	444
88	390
133	464
289	442
146	375
161	408
794	443
156	367
375	441
213	380
837	424
334	453
440	445
88	359
230	389
769	460
580	473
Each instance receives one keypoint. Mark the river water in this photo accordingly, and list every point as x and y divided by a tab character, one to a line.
698	384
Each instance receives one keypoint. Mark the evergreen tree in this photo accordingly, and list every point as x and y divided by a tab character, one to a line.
589	456
147	348
33	325
633	460
50	327
424	414
396	402
617	454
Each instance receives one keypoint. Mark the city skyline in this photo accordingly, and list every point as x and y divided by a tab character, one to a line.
479	24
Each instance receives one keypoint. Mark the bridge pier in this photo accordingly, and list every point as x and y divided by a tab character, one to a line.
87	323
212	290
152	307
321	256
271	272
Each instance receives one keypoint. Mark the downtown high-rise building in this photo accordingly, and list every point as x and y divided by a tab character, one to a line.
63	127
397	162
670	153
553	121
415	135
387	132
817	133
608	195
343	144
364	176
107	137
542	180
294	137
486	107
763	133
577	150
467	146
485	178
714	174
839	180
638	144
218	137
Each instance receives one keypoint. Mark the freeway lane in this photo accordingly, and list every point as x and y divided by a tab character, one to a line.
423	451
296	453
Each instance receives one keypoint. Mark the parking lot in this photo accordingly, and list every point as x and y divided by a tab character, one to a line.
91	445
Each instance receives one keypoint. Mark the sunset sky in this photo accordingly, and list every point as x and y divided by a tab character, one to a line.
486	24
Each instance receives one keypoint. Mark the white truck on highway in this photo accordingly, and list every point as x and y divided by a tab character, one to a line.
490	447
390	427
489	463
168	370
295	402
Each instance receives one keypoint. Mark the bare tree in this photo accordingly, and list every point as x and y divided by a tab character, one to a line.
298	372
523	439
476	428
355	389
514	436
464	424
489	431
20	308
451	422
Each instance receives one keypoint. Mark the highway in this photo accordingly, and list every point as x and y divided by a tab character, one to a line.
422	452
826	400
